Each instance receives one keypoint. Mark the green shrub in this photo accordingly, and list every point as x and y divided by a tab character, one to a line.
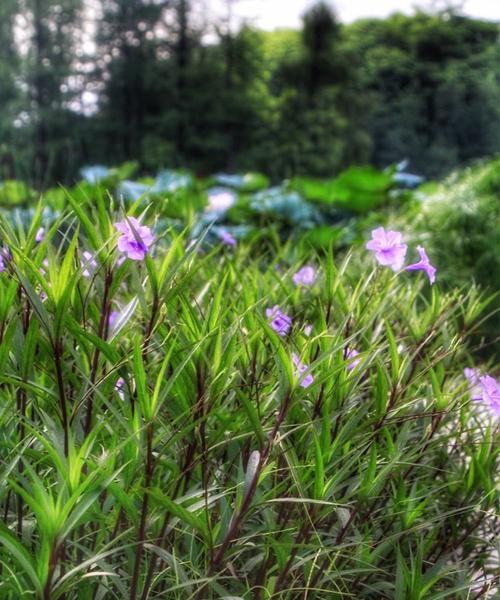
459	222
170	450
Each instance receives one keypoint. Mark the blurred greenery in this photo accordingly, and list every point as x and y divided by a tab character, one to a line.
164	89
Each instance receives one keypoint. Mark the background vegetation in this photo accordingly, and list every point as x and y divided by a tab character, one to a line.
167	88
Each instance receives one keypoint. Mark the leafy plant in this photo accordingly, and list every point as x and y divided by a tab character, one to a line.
158	438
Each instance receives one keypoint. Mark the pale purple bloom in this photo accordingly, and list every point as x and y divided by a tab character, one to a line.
388	247
89	264
45	266
308	329
484	388
40	234
472	376
423	265
490	393
305	276
280	322
135	239
352	353
227	238
112	319
5	256
304	380
120	387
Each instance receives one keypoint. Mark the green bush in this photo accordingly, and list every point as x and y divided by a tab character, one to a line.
156	441
459	220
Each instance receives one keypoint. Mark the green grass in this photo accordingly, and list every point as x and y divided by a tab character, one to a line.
212	473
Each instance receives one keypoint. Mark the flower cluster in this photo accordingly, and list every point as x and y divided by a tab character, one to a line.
390	251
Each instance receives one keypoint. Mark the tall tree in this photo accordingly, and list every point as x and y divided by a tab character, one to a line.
9	90
127	50
318	129
52	27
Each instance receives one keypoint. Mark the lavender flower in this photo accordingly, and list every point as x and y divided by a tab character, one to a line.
484	388
423	265
135	239
388	247
5	256
352	353
40	234
227	238
280	322
472	376
308	329
89	264
112	319
490	389
120	387
304	380
305	276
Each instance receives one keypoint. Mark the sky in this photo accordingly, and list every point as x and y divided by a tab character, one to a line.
270	14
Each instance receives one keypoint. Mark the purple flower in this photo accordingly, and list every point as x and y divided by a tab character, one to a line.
388	247
5	256
305	276
112	319
490	393
89	264
304	380
423	265
308	329
120	387
227	238
40	234
352	353
472	376
484	388
135	239
280	322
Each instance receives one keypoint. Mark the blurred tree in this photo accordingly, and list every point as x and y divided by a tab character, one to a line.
127	47
49	76
9	91
319	130
432	82
174	91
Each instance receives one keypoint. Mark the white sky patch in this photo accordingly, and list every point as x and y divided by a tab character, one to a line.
272	14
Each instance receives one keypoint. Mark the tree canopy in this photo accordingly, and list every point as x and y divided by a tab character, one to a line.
171	89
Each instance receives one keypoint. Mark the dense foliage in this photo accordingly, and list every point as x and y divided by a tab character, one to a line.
194	424
81	82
